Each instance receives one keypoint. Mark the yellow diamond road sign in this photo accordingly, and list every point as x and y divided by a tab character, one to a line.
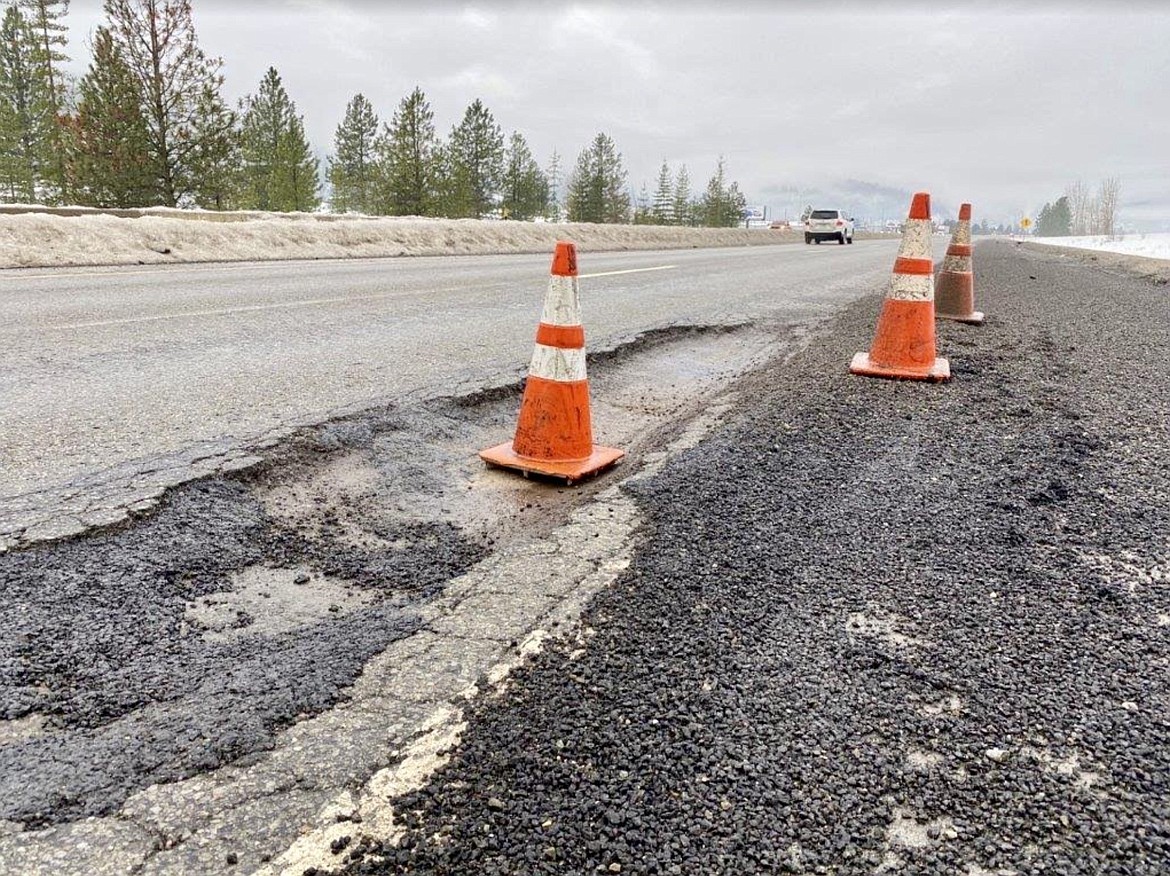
1025	222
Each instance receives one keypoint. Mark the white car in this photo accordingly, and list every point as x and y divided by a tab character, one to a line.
828	225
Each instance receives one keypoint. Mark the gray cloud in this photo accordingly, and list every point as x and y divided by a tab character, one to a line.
985	104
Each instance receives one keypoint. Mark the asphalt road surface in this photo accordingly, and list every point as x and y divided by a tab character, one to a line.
876	627
111	370
865	627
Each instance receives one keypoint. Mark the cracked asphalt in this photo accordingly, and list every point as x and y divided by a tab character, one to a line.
104	645
200	684
866	627
122	382
873	627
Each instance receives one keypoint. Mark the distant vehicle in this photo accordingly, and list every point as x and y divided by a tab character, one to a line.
781	225
828	225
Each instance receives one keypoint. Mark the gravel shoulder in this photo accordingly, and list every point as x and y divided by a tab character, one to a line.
872	627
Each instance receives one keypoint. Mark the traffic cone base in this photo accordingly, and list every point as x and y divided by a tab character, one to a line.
903	347
569	471
554	432
938	371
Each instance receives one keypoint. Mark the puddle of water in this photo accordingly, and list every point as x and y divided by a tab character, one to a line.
268	602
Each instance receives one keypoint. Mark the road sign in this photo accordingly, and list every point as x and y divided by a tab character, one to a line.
1025	222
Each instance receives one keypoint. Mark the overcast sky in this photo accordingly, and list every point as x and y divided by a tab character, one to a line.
854	107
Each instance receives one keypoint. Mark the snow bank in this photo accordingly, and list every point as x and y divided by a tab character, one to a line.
1150	246
76	236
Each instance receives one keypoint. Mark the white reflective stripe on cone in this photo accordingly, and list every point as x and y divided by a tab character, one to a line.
911	287
916	239
562	304
963	233
556	363
957	264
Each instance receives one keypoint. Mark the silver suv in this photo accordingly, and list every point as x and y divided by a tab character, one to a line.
828	225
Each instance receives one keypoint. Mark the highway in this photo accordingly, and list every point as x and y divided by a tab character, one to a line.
872	616
109	370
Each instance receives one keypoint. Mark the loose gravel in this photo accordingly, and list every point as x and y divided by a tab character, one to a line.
875	626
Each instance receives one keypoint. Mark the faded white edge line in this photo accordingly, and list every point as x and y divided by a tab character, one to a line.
630	271
252	308
311	302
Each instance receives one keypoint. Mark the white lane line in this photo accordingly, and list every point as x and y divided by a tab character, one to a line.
309	302
630	271
193	267
227	311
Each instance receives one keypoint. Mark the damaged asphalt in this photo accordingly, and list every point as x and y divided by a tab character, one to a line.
874	627
102	637
869	627
190	638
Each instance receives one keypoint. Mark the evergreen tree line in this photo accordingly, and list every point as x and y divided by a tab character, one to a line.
147	125
721	205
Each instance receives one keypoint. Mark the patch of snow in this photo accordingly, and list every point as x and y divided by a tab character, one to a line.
76	237
1150	246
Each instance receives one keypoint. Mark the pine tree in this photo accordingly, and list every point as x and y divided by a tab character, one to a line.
299	180
722	205
352	169
24	117
109	149
662	208
681	209
735	204
278	167
407	156
477	162
1054	219
643	208
186	117
525	187
597	188
444	193
553	211
46	22
216	159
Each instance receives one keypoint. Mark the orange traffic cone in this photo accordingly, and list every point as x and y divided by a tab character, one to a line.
903	346
554	435
954	290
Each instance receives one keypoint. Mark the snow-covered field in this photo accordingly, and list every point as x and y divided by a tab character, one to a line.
46	239
1151	246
